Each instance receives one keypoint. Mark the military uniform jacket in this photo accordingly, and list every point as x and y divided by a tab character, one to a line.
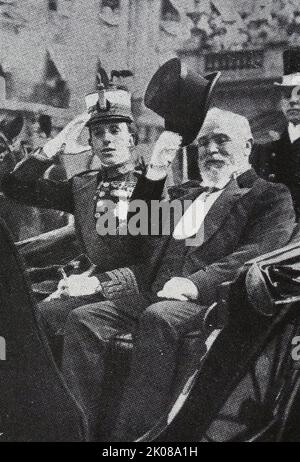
76	196
279	161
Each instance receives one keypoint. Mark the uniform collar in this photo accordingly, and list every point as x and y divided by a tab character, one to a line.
110	173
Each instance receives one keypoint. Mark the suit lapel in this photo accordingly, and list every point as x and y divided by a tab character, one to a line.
220	211
295	148
283	150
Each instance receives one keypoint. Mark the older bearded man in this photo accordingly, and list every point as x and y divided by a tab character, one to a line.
241	217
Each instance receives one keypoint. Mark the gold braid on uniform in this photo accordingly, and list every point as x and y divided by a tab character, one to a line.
118	283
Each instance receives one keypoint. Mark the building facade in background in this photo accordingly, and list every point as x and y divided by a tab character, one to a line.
50	51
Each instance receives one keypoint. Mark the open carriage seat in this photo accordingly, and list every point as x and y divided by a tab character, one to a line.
44	256
35	405
34	402
52	248
247	387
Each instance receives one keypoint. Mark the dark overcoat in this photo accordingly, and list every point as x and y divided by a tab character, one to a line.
279	161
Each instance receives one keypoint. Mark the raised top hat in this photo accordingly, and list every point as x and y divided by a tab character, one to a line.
181	97
291	65
110	102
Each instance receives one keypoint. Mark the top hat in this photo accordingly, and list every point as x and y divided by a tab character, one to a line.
181	97
109	103
291	65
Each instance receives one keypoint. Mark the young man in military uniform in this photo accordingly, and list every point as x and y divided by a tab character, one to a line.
279	161
112	139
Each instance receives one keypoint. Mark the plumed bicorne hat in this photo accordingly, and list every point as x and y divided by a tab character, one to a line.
112	102
182	97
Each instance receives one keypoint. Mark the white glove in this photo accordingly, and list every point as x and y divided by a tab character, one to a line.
163	154
79	284
70	137
178	288
165	148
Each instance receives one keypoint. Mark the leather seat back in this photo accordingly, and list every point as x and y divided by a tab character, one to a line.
34	402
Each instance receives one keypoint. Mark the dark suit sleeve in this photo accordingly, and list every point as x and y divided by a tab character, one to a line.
142	246
271	228
25	185
148	190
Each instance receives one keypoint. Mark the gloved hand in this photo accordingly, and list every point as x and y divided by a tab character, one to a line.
165	148
163	154
69	136
78	284
179	288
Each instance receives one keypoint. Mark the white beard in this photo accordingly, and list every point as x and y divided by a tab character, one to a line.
216	176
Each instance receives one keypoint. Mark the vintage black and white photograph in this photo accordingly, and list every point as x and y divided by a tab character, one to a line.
149	223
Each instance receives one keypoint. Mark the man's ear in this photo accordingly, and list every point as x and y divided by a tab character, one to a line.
249	144
132	141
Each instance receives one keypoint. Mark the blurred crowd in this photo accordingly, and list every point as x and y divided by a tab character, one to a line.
270	21
18	138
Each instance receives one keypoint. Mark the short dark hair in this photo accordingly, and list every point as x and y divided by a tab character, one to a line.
133	131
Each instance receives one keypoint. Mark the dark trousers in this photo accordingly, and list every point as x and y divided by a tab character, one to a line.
52	317
157	329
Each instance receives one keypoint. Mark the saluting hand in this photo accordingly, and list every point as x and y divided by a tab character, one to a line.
70	137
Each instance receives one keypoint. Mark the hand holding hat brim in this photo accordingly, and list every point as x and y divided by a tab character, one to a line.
181	96
165	148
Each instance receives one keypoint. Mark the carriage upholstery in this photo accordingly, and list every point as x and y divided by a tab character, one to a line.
52	248
247	387
244	388
34	402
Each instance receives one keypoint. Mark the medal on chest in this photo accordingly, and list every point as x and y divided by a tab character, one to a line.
113	197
